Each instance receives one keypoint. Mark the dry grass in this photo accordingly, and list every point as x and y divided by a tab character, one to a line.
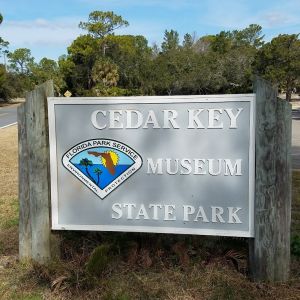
8	190
296	203
145	270
9	159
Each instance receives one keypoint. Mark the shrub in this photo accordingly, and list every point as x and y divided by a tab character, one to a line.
295	245
99	260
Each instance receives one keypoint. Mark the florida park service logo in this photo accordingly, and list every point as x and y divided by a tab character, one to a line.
102	164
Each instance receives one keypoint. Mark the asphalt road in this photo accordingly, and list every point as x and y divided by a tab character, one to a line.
296	139
8	117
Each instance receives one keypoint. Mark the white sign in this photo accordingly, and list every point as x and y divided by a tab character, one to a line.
153	164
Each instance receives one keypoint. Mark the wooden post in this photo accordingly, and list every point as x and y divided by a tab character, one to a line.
24	217
34	173
269	258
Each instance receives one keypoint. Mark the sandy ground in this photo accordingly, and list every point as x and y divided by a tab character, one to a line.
9	165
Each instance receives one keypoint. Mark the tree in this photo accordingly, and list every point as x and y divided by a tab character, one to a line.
250	36
47	69
279	62
21	60
66	71
171	41
237	70
102	23
3	83
98	172
223	42
87	163
13	85
105	73
133	57
3	44
204	43
83	53
188	41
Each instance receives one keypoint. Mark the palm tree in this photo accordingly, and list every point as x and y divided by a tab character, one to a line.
86	163
98	172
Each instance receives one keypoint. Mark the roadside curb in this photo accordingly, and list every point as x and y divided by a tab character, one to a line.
8	125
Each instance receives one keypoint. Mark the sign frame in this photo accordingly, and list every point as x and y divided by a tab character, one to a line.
53	101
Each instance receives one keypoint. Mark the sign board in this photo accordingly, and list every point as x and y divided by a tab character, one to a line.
181	164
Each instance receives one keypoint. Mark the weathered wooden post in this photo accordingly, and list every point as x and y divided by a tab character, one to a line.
24	217
34	188
270	248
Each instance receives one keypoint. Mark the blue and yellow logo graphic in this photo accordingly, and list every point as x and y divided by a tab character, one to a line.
102	164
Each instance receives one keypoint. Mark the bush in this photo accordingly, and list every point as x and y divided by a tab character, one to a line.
99	260
295	245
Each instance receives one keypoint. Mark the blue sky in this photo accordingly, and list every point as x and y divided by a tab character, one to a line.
48	27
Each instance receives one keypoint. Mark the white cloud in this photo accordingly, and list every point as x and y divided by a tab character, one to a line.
278	19
40	32
232	14
50	38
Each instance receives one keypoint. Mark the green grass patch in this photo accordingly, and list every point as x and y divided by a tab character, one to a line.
10	223
28	297
12	218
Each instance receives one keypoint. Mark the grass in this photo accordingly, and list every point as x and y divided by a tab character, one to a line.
9	191
296	203
133	266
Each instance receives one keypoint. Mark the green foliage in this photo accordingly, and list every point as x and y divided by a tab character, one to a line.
133	57
3	82
204	43
223	42
101	63
13	85
105	72
21	60
77	67
295	245
279	62
99	260
83	50
171	41
188	41
11	223
102	23
45	70
250	36
102	91
3	44
86	162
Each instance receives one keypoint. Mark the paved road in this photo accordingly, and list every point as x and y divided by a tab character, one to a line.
296	139
8	116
